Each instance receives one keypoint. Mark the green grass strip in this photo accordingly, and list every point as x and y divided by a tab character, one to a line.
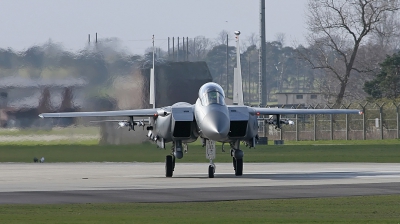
360	209
379	153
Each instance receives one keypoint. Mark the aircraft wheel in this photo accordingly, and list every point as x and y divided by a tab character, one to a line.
234	163
239	167
173	163
169	169
211	171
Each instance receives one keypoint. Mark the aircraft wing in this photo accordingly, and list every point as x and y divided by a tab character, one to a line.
117	113
275	111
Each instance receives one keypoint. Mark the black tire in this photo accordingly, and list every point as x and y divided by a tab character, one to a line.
173	163
234	163
211	171
169	166
239	167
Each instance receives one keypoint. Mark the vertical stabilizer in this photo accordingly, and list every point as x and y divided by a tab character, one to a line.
152	89
152	83
237	76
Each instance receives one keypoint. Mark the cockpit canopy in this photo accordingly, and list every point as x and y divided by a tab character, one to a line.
211	93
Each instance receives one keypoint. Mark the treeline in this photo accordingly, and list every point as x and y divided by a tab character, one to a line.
287	69
351	55
97	64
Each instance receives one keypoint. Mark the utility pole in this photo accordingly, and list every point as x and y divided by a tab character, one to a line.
262	93
177	54
187	48
227	67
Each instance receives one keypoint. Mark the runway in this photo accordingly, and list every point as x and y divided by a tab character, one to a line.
53	183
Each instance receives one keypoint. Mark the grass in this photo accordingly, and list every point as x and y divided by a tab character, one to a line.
346	142
54	143
88	151
358	209
72	130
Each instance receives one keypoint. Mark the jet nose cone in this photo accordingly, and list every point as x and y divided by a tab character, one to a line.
216	125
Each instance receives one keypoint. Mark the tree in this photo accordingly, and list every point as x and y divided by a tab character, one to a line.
337	30
221	38
250	64
387	82
198	48
216	61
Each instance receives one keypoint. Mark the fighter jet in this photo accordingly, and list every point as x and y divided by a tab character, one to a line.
209	119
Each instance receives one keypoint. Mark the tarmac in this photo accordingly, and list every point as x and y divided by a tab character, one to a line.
58	183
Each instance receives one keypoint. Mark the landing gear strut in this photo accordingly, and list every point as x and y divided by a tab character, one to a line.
210	154
176	153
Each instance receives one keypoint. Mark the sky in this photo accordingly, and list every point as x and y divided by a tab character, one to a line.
26	23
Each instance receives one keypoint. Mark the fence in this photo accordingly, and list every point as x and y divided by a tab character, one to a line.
378	121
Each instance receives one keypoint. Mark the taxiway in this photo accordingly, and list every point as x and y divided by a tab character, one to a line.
145	182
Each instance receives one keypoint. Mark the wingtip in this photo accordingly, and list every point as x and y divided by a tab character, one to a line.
360	113
41	115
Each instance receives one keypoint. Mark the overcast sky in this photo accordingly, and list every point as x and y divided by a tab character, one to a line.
24	23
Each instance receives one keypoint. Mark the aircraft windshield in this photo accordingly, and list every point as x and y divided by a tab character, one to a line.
213	97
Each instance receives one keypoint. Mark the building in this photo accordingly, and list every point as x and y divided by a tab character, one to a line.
300	98
23	99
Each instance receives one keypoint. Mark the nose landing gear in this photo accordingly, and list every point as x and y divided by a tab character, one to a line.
211	171
210	154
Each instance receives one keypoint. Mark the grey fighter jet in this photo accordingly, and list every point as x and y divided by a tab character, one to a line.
209	119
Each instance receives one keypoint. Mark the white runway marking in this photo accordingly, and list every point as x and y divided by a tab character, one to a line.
16	177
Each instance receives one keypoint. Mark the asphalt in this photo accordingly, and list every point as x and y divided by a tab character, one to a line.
59	183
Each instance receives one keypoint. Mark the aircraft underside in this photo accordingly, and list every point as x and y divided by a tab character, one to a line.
180	127
179	148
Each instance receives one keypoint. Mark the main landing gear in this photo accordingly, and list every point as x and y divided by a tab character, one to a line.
177	153
237	158
236	153
169	165
238	166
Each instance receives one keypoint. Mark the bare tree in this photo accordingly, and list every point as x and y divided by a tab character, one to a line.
198	47
221	38
387	34
338	28
281	38
253	39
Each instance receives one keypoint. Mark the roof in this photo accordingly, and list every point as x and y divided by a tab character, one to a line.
21	82
297	93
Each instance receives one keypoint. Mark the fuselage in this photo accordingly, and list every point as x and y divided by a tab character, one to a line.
212	119
217	121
